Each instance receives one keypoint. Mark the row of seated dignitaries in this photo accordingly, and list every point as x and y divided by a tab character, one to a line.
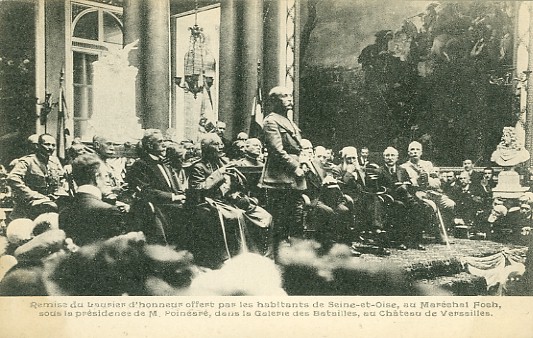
210	209
206	211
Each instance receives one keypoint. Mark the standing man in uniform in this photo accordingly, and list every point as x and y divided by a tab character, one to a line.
282	175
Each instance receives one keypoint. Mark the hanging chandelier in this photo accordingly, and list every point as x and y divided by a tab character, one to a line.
199	69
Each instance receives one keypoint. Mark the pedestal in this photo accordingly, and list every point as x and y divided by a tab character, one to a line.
508	185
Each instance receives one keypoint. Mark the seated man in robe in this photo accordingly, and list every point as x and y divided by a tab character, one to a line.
225	220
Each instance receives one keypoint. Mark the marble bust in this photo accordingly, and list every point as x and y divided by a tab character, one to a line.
509	152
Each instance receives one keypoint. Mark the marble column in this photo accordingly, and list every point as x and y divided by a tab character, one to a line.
149	21
273	45
228	60
252	32
155	57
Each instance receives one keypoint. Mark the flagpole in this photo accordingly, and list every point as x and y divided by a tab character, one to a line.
257	106
61	140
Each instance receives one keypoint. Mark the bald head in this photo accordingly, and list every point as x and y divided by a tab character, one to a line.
212	146
104	146
414	150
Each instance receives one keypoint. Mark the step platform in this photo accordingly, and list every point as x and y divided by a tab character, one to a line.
440	265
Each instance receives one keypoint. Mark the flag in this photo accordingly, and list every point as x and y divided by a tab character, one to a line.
256	123
207	112
62	116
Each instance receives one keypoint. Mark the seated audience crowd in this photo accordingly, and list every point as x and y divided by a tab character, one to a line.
182	214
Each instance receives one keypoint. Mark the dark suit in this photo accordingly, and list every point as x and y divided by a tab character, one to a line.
87	219
167	226
146	175
401	214
362	189
330	214
362	162
467	202
475	177
352	184
483	191
389	180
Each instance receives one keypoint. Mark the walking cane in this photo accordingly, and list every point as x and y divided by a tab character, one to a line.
443	232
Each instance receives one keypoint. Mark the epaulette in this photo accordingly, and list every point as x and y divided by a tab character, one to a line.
25	158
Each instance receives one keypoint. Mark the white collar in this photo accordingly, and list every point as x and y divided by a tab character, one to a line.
91	190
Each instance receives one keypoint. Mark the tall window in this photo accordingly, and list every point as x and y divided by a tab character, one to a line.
95	30
83	90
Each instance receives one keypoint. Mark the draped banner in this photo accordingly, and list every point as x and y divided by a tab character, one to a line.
497	269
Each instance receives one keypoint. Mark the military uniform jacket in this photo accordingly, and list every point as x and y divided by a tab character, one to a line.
32	179
282	140
415	170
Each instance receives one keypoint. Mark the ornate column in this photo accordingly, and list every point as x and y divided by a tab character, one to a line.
252	32
149	21
281	46
292	32
154	56
228	62
273	45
